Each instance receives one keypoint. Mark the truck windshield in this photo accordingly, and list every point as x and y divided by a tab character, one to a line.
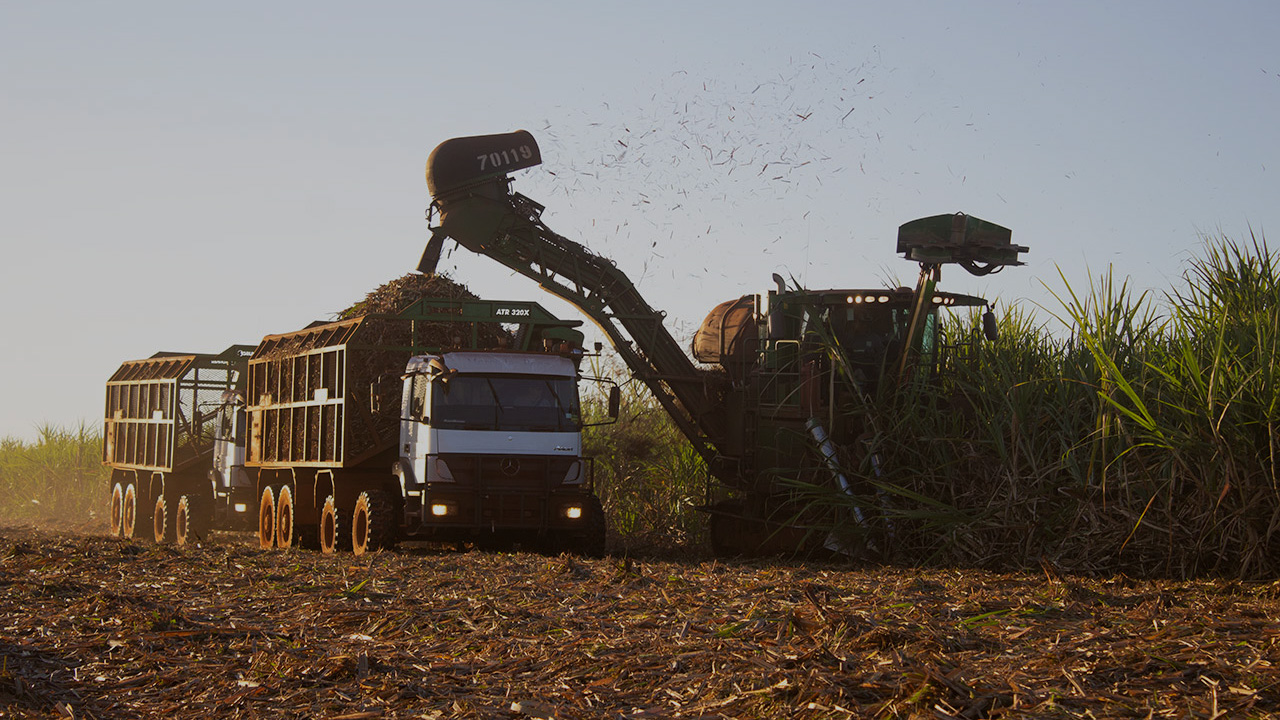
525	403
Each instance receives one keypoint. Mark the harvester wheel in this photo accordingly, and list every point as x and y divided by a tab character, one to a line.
191	520
129	511
162	520
267	519
117	508
329	526
373	522
284	519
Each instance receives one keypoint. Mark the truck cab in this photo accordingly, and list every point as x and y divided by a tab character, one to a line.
233	486
492	440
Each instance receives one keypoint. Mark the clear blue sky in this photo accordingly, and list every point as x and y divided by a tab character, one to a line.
184	176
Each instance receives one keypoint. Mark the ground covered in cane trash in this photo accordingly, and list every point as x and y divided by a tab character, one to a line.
97	627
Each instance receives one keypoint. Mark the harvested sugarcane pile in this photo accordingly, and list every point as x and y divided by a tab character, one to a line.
102	628
379	340
396	295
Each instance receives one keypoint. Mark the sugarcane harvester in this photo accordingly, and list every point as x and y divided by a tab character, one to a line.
768	411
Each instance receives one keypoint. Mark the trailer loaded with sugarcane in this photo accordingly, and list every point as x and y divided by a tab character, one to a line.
454	420
764	411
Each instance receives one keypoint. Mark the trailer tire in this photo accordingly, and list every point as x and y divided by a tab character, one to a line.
328	529
267	519
117	510
285	531
161	520
372	522
191	521
129	512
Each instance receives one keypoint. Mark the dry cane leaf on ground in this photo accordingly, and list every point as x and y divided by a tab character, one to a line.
95	627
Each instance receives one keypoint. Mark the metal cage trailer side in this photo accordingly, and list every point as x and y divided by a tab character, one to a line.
158	438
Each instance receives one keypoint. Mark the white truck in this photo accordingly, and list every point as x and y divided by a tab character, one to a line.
491	445
483	446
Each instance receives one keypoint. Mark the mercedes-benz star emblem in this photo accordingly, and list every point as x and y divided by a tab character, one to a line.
509	466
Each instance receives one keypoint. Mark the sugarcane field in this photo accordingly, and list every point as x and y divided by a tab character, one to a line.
864	583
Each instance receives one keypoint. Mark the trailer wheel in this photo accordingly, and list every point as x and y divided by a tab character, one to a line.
267	519
372	523
117	509
162	520
191	521
329	526
129	511
284	519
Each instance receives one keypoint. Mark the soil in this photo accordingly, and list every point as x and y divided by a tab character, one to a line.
97	627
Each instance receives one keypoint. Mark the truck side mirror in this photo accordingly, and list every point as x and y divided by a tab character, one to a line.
990	329
377	392
615	402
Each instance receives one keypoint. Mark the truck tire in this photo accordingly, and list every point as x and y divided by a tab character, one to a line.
372	522
129	512
191	520
267	519
285	530
162	520
328	529
117	508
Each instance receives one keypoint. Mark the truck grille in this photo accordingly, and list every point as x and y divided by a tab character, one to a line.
497	472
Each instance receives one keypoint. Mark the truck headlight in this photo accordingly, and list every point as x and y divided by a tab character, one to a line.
439	509
573	512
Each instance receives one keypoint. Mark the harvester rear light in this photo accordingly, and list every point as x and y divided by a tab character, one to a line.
440	510
241	507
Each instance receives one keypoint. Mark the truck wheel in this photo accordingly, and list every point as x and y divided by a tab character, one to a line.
267	519
161	522
284	519
129	512
328	529
191	521
373	522
117	508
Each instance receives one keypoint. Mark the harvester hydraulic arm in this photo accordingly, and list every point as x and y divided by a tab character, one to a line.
478	210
